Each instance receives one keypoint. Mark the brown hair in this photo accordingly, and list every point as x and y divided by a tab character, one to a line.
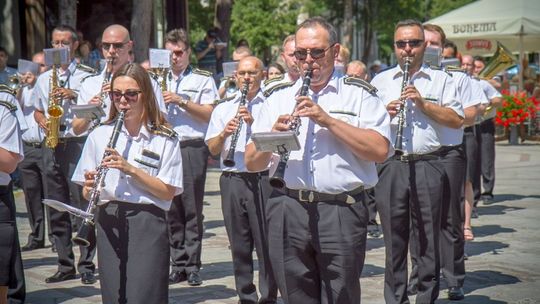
435	28
177	35
151	115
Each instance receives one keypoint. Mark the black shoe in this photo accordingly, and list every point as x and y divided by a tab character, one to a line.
60	276
194	279
374	232
177	277
53	248
474	213
88	278
32	246
455	294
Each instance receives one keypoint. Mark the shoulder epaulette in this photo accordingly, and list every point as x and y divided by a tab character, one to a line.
451	68
153	75
360	83
218	101
434	67
88	76
269	81
164	131
86	68
11	107
202	72
277	87
6	89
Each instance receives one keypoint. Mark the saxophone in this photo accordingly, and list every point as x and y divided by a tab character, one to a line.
54	110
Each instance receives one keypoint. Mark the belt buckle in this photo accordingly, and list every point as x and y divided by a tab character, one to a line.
404	158
306	196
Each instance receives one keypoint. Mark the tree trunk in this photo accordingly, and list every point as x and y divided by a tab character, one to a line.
67	12
367	15
141	19
222	20
348	24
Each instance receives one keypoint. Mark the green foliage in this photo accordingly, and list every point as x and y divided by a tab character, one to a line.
200	20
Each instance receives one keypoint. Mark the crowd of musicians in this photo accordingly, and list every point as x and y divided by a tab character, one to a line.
406	145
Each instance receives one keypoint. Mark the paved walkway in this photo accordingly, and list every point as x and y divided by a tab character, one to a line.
503	264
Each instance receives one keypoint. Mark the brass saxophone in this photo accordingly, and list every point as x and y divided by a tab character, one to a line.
54	110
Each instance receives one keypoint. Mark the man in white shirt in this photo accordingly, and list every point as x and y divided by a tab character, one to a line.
412	182
317	222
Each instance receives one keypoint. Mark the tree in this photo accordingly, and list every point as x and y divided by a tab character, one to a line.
141	25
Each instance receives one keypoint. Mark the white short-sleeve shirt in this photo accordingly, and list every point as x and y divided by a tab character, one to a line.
199	88
158	155
324	163
34	133
421	134
221	116
491	93
10	133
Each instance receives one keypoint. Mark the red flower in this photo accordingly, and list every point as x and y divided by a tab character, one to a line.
516	108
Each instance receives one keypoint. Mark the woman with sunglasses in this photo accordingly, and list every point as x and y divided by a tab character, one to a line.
145	173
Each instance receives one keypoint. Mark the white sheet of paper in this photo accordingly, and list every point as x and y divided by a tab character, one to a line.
56	56
62	207
24	66
160	58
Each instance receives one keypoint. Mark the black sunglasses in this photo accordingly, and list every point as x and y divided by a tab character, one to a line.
117	46
301	54
179	53
412	43
129	95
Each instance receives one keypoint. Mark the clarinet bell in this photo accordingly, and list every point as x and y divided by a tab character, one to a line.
229	162
277	180
86	231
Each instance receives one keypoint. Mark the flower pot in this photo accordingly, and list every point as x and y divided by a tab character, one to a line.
513	136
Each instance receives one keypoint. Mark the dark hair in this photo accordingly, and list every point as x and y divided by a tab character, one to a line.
435	28
3	50
242	42
409	22
450	44
213	32
277	66
320	21
151	113
479	58
177	35
67	28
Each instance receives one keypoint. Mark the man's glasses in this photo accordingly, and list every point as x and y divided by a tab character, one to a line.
301	54
60	43
247	73
401	44
116	46
129	95
179	53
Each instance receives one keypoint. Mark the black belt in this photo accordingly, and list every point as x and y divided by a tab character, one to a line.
309	196
189	142
245	174
76	139
417	157
36	145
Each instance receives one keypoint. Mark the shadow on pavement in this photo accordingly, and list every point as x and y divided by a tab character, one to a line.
496	209
213	224
37	262
509	197
472	299
218	270
486	230
59	295
477	248
200	294
374	243
481	279
371	270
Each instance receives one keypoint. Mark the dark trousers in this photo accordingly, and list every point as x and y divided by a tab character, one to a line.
133	253
471	152
243	200
371	206
11	267
317	250
59	167
185	218
485	138
451	235
409	196
33	184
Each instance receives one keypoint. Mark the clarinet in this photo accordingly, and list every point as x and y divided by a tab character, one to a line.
229	160
401	114
278	179
88	223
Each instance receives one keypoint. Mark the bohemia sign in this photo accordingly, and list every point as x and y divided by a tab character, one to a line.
476	28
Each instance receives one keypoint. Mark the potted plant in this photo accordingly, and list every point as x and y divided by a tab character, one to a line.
516	109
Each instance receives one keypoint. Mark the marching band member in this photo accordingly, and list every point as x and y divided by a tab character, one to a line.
243	193
189	97
317	223
411	182
144	174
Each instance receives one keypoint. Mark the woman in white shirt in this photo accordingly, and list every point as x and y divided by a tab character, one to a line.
145	173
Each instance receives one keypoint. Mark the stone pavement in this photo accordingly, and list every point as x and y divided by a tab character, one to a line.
503	264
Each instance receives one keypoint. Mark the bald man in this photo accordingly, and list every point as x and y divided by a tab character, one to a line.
358	69
116	47
243	193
